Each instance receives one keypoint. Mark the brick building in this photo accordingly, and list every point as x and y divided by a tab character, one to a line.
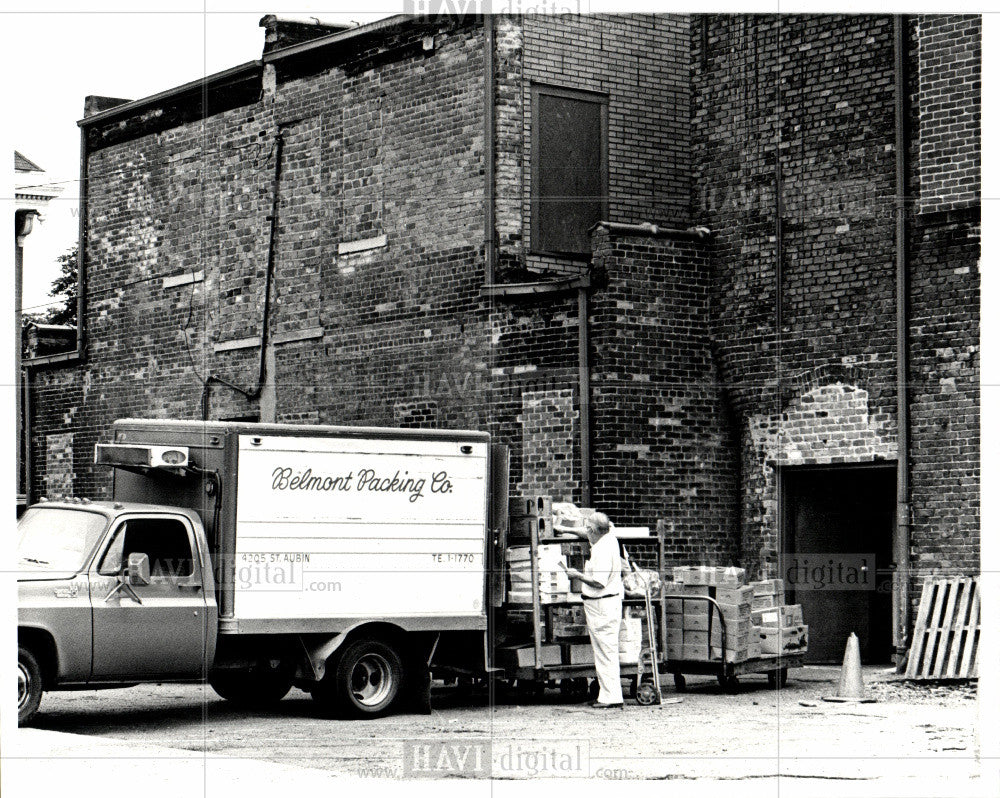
405	223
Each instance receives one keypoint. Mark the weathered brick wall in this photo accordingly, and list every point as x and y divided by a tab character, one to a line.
641	63
949	74
817	90
661	442
822	388
944	250
178	236
376	315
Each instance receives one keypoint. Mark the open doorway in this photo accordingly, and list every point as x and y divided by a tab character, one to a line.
837	554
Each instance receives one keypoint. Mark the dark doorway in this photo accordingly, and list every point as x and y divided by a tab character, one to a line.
837	554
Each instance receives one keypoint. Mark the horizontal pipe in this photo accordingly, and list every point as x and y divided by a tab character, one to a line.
653	230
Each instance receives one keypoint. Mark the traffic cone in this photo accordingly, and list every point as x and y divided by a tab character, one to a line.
851	688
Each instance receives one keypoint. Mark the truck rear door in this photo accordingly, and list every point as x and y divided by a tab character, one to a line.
154	630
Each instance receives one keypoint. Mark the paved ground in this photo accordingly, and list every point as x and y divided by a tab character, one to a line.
913	742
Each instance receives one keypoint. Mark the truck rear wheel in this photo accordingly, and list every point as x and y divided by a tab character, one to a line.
258	687
363	683
29	686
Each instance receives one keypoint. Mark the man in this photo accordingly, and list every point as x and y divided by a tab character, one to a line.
602	605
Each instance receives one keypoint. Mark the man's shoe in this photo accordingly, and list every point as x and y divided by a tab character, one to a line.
598	705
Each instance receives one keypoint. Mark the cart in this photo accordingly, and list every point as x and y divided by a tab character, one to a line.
574	679
774	665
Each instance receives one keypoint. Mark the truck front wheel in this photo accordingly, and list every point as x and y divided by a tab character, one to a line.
258	687
29	685
364	683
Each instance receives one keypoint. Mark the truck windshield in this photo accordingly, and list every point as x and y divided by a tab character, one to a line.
57	539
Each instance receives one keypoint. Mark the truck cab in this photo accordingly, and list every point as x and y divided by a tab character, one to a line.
111	593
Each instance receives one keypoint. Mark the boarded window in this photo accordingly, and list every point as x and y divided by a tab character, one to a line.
569	169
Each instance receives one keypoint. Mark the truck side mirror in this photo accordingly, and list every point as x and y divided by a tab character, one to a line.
137	570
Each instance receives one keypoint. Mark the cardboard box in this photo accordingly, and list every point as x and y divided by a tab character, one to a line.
695	590
675	636
767	601
695	621
791	640
768	587
581	654
547	553
734	595
526	528
675	620
730	577
783	616
673	606
695	638
525	656
732	655
732	612
524	597
675	651
709	575
753	648
630	640
695	652
529	507
735	629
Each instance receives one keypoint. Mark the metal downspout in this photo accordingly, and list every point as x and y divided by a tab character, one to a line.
901	543
489	147
214	379
81	254
779	308
584	362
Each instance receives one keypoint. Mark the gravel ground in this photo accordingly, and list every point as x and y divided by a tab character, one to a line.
916	731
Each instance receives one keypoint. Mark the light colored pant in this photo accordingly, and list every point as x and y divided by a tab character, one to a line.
604	620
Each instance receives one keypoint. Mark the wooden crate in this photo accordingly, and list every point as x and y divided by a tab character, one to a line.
946	637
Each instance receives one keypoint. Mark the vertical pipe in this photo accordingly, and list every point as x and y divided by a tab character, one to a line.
584	361
901	543
779	308
81	253
489	147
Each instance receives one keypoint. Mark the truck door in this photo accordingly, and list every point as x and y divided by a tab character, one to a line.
156	630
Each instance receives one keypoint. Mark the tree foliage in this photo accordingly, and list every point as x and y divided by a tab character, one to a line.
63	289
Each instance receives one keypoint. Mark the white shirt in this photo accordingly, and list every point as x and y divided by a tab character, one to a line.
605	566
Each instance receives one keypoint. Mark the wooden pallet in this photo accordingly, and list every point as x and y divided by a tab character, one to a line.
946	638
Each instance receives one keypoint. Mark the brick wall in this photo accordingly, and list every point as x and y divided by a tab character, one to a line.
661	442
376	315
640	62
944	250
949	74
818	90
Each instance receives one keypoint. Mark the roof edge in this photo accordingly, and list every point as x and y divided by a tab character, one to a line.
215	79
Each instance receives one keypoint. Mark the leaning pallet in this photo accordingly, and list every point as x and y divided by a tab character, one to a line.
946	636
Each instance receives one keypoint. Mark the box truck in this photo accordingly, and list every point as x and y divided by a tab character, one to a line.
258	557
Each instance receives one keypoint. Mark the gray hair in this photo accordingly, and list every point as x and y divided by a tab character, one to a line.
599	523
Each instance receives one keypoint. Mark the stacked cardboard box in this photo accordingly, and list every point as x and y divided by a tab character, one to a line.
700	635
529	516
687	622
567	622
630	640
781	629
756	619
768	593
740	641
553	584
